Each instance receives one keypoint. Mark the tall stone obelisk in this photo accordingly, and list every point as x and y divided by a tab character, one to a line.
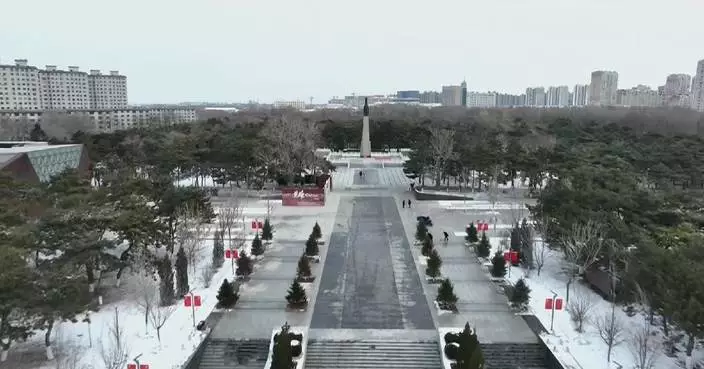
365	148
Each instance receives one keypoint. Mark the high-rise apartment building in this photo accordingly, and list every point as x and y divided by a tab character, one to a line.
108	91
20	87
558	96
639	96
64	90
510	101
26	88
481	99
535	96
580	95
677	89
430	97
452	96
698	88
602	89
463	86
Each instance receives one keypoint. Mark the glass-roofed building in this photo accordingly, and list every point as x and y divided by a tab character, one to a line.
39	161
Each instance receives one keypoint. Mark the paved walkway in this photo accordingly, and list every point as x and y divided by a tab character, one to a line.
481	302
369	280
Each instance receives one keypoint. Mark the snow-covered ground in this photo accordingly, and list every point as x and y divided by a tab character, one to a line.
83	341
584	350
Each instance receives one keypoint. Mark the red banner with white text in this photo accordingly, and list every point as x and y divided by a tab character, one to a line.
303	196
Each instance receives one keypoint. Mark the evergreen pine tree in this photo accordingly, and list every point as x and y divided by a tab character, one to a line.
282	354
471	236
421	231
434	264
427	246
469	352
477	359
303	270
526	252
182	287
218	249
257	246
166	281
446	295
317	233
515	238
498	265
227	296
520	294
484	247
312	246
267	230
296	296
244	265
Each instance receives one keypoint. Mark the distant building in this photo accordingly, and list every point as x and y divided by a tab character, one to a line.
481	99
463	86
602	89
430	97
677	90
108	120
697	99
535	96
452	96
558	96
410	94
580	95
639	96
296	104
37	162
510	101
24	87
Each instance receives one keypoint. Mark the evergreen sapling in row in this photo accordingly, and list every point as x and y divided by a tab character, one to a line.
317	233
296	296
447	299
267	230
484	247
520	295
244	266
303	272
312	249
434	263
498	265
471	236
427	246
227	295
182	287
257	246
421	232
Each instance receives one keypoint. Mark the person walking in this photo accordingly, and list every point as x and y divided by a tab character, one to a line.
447	236
403	204
409	203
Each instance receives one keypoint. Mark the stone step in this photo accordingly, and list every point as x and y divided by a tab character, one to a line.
369	354
241	354
514	356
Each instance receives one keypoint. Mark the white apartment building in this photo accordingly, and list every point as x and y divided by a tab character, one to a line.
110	120
107	91
64	90
676	90
24	87
558	96
20	87
535	96
639	96
580	95
602	89
481	99
698	88
451	95
296	104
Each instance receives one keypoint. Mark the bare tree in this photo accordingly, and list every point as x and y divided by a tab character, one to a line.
146	294
190	233
114	349
67	353
582	246
610	328
579	308
292	143
644	346
541	251
158	317
442	141
228	215
207	274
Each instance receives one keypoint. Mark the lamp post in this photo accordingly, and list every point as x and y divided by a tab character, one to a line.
552	315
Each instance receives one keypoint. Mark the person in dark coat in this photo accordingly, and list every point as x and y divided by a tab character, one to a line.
409	203
447	236
403	204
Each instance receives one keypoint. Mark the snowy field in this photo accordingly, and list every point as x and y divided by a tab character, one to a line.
81	345
584	350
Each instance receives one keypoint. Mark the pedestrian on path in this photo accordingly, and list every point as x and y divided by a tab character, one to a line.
403	204
409	203
447	236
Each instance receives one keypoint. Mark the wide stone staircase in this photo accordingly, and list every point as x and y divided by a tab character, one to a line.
371	354
514	356
230	354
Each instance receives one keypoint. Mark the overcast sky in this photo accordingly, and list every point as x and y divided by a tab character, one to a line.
230	50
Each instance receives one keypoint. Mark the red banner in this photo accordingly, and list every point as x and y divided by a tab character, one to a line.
303	196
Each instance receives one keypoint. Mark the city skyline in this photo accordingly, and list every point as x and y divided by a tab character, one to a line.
280	50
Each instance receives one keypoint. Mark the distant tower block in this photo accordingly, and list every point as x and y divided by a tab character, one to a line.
365	148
